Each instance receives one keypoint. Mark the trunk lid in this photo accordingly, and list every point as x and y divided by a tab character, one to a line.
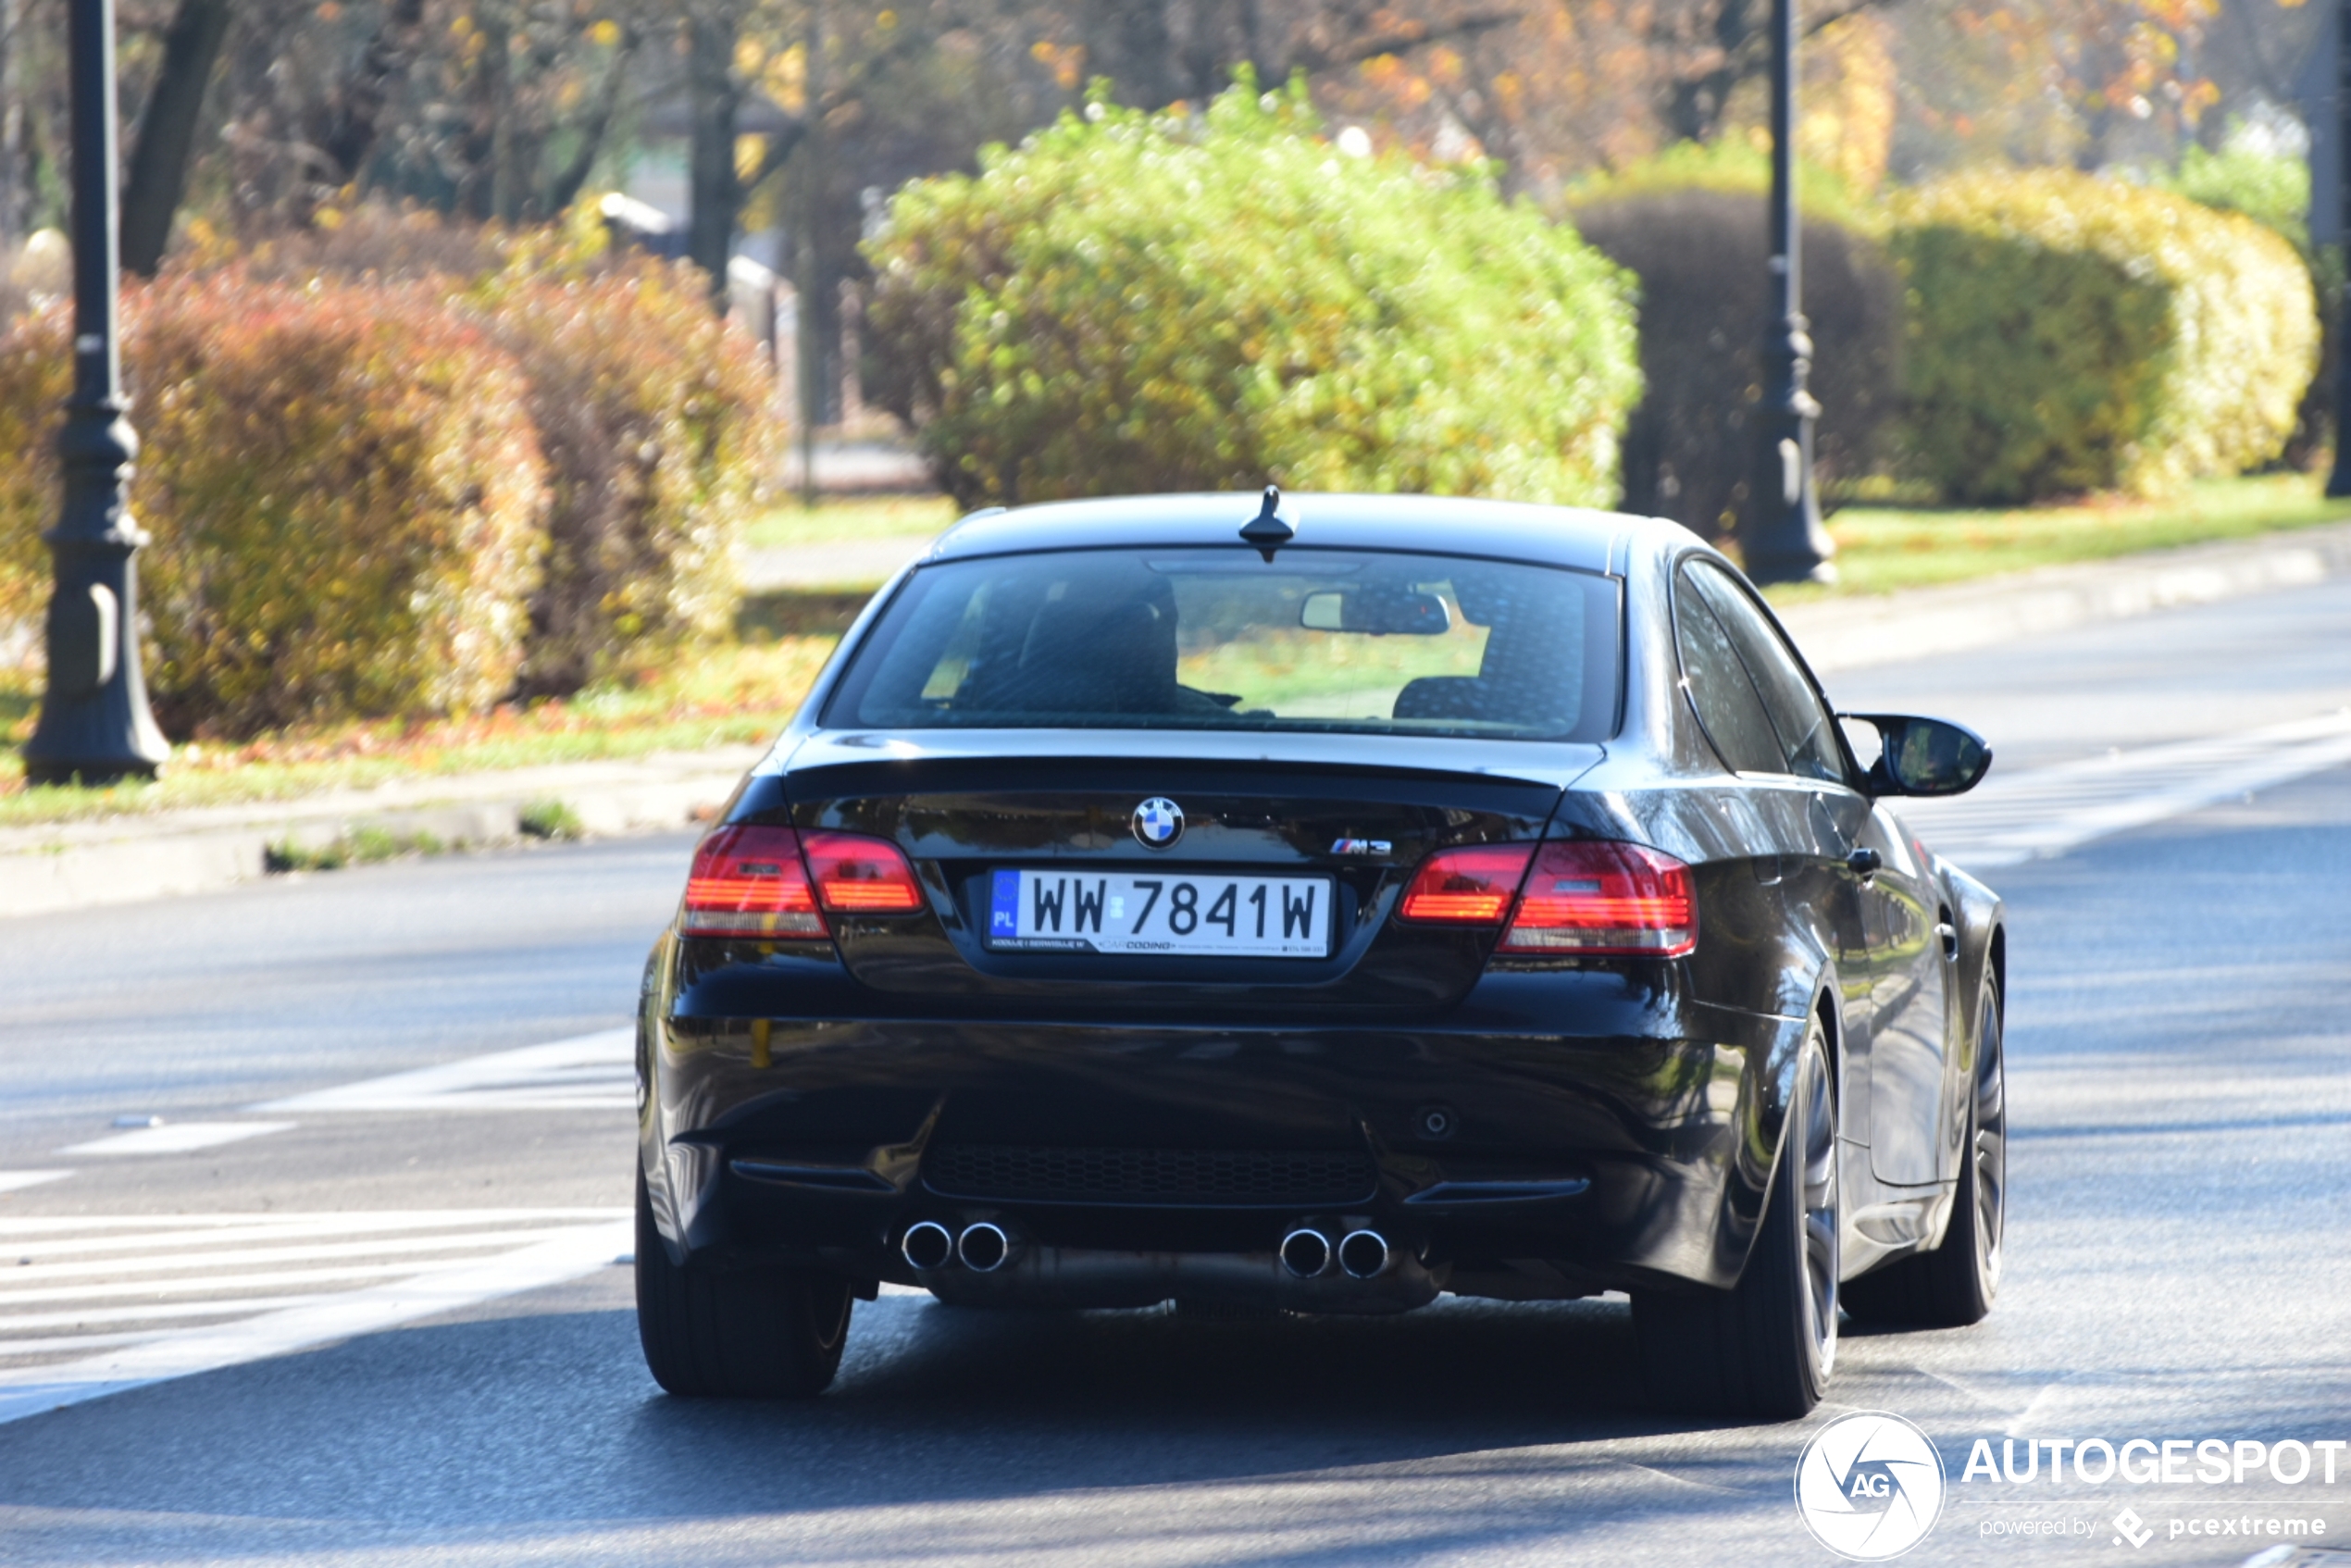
1281	812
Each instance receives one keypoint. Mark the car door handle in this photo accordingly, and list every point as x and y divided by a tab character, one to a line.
1864	862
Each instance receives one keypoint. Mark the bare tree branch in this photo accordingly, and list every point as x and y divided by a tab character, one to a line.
1398	40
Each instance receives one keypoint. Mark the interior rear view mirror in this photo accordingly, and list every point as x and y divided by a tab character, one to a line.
1376	612
1923	756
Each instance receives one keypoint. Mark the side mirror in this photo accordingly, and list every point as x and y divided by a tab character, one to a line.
1923	756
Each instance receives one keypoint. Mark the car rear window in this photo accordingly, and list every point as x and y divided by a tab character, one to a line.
1372	643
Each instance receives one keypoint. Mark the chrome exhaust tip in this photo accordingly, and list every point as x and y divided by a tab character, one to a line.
1363	1255
984	1248
927	1245
1306	1253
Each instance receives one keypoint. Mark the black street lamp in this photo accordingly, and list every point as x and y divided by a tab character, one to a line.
1784	541
95	724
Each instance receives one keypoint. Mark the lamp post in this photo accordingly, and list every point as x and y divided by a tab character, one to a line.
95	724
1784	541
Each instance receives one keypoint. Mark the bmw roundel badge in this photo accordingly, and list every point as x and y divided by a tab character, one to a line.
1158	822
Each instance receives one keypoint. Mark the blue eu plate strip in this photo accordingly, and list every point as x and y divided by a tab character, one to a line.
1003	909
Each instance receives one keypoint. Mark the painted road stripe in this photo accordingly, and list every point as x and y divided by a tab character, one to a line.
268	1279
321	1251
26	1391
218	1236
176	1138
357	1219
157	1312
17	1181
2045	812
588	1072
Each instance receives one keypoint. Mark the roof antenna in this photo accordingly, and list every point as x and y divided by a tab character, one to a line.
1267	530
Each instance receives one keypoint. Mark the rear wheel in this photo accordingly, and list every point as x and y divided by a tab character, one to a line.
1766	1346
770	1334
1955	1283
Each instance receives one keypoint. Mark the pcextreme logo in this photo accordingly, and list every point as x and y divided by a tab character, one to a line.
1870	1485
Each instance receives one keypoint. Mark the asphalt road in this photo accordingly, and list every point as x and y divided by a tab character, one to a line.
2180	1094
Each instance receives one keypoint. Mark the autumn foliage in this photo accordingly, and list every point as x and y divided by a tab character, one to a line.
344	488
656	425
391	497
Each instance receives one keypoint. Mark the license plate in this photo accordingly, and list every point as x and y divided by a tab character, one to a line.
1167	913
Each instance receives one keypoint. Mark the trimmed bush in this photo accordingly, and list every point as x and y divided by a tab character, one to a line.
1135	302
344	486
2071	333
658	426
1690	451
658	421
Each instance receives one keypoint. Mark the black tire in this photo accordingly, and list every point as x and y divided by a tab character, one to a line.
1765	1347
769	1334
1955	1283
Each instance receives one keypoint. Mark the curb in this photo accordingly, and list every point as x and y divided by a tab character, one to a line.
1844	634
126	860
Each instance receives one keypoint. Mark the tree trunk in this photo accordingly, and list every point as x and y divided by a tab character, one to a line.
358	118
593	130
166	136
714	193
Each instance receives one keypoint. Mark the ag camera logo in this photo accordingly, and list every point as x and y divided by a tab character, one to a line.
1870	1485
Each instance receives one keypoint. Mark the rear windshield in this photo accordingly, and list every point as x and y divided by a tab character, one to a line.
1360	641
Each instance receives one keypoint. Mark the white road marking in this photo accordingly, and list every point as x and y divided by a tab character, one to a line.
154	1339
289	1221
155	1289
324	1251
590	1072
66	1237
176	1138
15	1181
2047	811
156	1312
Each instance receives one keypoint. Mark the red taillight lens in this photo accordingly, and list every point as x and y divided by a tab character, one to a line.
861	876
749	882
1612	899
1473	886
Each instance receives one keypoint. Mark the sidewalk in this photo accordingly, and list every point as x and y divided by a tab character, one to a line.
1855	633
120	860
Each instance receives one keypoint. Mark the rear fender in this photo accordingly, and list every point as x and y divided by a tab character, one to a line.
1773	1044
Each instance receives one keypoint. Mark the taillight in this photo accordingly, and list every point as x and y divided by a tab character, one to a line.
749	882
1606	899
860	876
1473	886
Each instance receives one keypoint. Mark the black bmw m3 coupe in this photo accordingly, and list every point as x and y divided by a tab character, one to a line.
1322	904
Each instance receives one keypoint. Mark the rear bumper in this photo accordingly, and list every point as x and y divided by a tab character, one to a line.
1556	1164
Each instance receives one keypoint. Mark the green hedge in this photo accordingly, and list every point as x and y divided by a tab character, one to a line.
344	488
2070	333
1701	255
1133	302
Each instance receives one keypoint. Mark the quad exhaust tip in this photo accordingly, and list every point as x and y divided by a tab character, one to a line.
927	1245
1306	1253
984	1248
1363	1255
